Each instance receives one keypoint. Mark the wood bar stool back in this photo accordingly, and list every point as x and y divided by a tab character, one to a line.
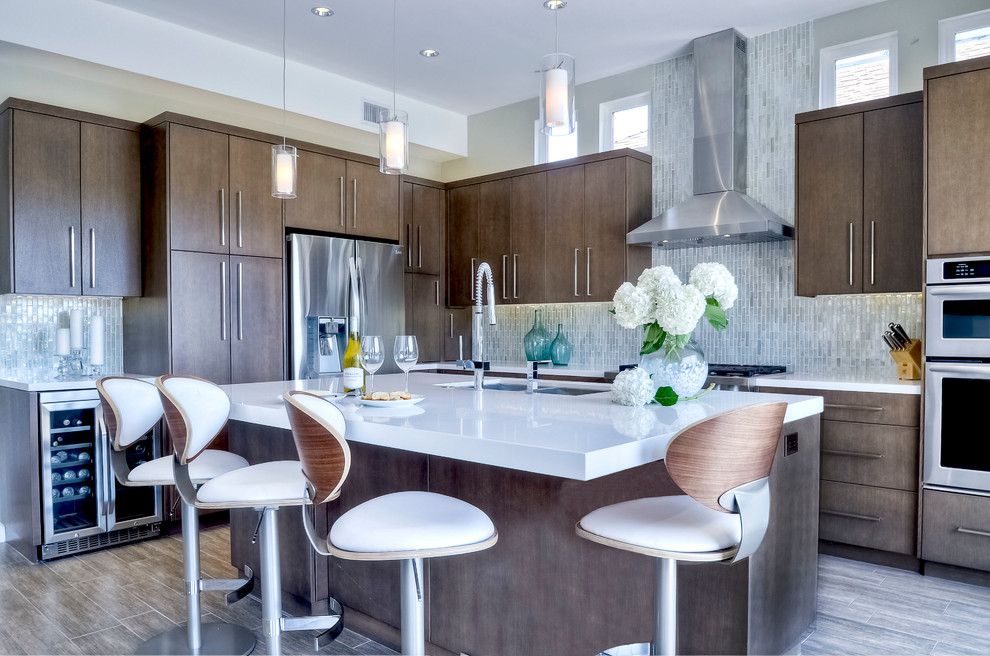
723	465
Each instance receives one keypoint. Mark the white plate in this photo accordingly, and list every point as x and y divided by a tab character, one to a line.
399	403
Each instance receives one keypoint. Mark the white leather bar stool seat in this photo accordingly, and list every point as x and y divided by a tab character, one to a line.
410	522
276	483
675	525
210	464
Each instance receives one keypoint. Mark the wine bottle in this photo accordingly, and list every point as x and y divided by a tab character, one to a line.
352	355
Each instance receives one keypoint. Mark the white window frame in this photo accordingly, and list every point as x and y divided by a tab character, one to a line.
609	107
949	27
828	56
541	144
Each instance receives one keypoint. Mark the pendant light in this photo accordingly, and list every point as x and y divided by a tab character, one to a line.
556	84
393	128
283	156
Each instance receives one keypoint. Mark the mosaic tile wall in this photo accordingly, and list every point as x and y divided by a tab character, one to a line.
27	332
769	324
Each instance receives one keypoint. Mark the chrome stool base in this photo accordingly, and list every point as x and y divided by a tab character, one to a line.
217	639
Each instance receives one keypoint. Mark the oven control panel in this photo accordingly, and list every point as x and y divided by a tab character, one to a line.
961	270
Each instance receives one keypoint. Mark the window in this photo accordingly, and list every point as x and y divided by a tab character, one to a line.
553	149
625	123
964	37
857	71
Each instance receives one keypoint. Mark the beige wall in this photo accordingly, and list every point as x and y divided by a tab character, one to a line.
503	138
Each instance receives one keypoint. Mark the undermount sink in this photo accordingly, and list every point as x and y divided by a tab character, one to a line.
567	391
499	386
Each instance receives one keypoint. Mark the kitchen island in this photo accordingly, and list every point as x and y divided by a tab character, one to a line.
536	463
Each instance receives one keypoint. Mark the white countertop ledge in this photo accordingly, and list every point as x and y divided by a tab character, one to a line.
575	437
839	383
52	385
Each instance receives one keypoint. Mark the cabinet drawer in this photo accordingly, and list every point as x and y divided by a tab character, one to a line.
868	516
870	454
864	407
956	529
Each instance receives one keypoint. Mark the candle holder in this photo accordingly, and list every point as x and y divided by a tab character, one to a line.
76	369
96	371
62	371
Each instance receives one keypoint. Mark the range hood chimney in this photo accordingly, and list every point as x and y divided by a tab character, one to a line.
720	212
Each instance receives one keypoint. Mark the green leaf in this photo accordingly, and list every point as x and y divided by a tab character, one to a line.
716	315
666	396
653	338
653	332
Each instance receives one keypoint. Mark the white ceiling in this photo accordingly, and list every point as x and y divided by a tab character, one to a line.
489	50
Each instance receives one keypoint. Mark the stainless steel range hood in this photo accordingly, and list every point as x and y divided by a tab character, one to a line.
720	212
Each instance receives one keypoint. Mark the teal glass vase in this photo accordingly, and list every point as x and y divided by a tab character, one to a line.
537	341
560	348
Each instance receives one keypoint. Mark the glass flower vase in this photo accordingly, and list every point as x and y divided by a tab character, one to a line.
560	348
537	341
684	370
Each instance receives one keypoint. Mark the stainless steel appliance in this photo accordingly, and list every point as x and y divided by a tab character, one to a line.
358	282
736	377
83	506
957	308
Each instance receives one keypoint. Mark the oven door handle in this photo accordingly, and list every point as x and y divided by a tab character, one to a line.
976	291
975	370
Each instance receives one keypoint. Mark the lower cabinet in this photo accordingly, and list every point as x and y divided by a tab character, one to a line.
868	516
424	314
956	529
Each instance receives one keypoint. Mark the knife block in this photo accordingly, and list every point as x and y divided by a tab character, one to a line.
908	361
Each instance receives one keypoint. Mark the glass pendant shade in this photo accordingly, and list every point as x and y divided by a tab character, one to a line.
284	171
393	143
557	116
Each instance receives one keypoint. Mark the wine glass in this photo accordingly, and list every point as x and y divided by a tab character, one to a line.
372	356
406	354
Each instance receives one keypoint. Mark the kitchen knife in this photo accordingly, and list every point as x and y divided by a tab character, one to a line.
899	331
891	341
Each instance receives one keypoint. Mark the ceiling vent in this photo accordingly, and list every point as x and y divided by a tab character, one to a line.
374	113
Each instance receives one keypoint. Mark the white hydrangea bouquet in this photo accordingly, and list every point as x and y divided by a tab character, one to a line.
669	311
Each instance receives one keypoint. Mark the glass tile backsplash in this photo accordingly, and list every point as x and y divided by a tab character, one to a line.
27	333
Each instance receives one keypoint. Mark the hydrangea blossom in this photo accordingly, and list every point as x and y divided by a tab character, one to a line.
652	281
679	308
633	387
633	306
714	280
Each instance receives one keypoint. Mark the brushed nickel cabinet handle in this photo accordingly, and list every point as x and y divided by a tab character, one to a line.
92	258
505	269
853	454
850	254
419	242
436	286
577	252
408	246
847	406
223	210
587	273
873	252
354	208
472	277
342	201
223	300
848	515
973	531
515	275
72	256
240	301
451	315
240	222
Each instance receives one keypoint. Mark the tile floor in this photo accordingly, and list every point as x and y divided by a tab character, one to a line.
108	602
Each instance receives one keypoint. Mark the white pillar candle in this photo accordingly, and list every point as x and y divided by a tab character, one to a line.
96	341
76	329
62	341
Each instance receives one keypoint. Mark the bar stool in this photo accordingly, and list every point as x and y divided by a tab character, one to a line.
403	526
195	411
723	464
131	408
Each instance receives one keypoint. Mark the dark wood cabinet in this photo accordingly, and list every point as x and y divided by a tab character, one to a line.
956	529
256	319
958	155
494	237
565	222
422	228
605	228
320	197
71	217
255	215
372	202
424	314
457	334
199	303
110	211
859	198
198	189
463	205
528	231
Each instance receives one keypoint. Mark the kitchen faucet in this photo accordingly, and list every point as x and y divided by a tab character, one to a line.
478	360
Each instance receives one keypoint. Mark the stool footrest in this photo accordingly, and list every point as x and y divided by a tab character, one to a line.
310	623
236	589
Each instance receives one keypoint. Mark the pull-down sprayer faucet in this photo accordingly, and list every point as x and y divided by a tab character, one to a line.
478	358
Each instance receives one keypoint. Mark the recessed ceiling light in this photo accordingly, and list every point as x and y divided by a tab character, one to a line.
554	4
324	12
429	52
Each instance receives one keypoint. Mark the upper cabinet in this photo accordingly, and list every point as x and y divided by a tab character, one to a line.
255	215
72	208
372	202
553	233
858	198
422	222
958	155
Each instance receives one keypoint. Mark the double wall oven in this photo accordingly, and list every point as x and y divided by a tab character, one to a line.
957	374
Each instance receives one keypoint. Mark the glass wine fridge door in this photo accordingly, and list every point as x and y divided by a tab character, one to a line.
134	506
72	451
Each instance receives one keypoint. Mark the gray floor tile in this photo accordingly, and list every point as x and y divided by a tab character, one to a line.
945	649
850	636
113	598
71	610
372	648
940	628
26	626
147	625
118	640
73	569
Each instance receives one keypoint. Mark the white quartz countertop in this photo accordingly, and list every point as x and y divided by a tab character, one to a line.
576	437
52	385
839	382
566	371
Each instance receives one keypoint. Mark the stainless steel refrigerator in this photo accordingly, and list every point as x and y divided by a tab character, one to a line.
335	285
